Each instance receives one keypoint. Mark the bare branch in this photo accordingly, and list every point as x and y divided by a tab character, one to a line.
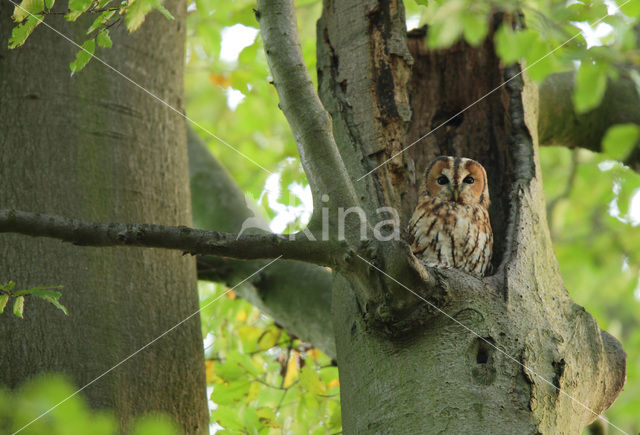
309	121
188	240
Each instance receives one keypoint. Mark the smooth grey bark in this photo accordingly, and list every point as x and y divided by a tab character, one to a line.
94	147
297	295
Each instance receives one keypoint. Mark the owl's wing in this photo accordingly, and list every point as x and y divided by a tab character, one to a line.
419	227
478	244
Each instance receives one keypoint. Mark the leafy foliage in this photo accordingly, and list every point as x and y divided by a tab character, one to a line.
255	127
37	396
261	379
619	140
83	56
47	293
594	214
30	13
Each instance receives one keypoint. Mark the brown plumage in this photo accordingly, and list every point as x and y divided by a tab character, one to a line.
450	226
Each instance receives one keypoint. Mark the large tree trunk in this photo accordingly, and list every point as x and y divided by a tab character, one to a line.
510	353
95	147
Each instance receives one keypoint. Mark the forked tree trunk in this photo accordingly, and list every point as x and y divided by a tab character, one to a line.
510	353
95	147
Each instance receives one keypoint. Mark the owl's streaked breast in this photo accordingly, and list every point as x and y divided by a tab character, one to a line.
449	234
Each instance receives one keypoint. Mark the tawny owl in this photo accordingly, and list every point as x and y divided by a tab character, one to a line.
450	226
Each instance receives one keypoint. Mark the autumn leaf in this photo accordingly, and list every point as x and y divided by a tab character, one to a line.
291	374
220	80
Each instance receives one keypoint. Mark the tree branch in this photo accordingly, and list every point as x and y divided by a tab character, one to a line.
189	240
309	121
560	125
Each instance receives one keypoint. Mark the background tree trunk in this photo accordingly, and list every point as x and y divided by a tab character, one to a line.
94	147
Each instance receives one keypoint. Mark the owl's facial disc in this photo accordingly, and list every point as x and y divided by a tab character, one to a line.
459	180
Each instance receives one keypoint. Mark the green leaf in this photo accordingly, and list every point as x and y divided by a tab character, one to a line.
310	380
229	393
236	366
631	8
619	140
18	306
20	33
447	26
103	39
512	46
77	8
581	12
155	425
4	298
267	416
34	291
27	8
335	420
629	185
44	290
591	83
83	56
137	11
54	301
539	63
102	19
164	11
8	286
474	27
227	418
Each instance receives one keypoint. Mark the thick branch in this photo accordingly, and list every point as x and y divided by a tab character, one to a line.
309	121
559	125
192	241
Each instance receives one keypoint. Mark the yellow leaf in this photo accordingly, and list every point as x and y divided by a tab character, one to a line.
209	370
220	80
269	338
231	295
254	390
241	316
292	370
313	353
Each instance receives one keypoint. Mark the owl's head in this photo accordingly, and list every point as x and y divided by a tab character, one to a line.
457	179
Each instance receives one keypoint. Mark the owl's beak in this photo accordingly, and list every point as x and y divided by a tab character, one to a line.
456	195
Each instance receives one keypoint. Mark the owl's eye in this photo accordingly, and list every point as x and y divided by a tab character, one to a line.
442	180
468	179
